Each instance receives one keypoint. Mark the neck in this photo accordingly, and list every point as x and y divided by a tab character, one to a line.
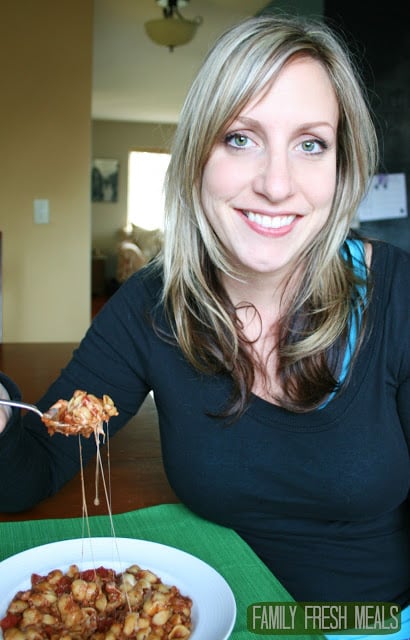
260	290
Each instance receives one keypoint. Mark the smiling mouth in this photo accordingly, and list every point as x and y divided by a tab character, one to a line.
269	222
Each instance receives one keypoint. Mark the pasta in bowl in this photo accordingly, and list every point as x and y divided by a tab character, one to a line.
213	610
98	604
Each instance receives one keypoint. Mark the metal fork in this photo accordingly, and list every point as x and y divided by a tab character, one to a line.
22	405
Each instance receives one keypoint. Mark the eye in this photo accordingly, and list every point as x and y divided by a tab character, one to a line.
237	140
313	146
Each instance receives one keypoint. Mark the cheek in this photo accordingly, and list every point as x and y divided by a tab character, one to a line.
206	190
212	183
220	181
321	187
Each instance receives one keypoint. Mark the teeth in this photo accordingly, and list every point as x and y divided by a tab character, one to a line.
269	222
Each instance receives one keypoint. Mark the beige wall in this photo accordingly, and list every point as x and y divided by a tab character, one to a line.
115	140
45	106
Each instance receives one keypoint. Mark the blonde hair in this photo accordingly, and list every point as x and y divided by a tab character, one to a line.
241	64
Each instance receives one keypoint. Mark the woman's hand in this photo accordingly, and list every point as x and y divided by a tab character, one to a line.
5	412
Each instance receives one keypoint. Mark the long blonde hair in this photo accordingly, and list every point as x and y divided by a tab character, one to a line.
241	64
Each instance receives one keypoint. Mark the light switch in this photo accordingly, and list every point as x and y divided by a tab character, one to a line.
41	211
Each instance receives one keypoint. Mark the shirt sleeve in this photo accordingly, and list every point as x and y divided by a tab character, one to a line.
403	391
403	407
113	359
398	335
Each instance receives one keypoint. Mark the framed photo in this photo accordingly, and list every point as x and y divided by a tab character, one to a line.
104	180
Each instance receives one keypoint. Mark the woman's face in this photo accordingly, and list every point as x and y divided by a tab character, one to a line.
269	183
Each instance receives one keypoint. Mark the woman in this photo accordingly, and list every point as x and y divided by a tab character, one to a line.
276	343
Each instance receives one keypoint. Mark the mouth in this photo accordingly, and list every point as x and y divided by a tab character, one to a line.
269	222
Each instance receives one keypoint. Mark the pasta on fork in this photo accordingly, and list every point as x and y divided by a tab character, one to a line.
84	413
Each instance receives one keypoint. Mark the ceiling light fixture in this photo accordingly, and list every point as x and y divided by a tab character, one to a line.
173	30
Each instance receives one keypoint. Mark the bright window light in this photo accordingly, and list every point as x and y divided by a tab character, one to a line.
146	173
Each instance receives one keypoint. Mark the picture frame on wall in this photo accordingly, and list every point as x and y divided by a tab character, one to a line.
104	180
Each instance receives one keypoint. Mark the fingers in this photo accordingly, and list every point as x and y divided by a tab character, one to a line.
5	412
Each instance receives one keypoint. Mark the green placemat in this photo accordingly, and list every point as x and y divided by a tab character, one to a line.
174	525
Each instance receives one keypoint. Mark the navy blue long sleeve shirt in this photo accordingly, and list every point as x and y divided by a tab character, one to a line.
322	497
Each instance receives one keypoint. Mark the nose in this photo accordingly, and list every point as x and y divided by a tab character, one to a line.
273	178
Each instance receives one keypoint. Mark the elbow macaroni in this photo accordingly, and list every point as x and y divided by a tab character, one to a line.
98	604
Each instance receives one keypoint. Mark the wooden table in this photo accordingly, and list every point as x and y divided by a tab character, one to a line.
137	474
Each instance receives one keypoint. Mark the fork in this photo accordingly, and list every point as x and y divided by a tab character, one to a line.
22	405
50	415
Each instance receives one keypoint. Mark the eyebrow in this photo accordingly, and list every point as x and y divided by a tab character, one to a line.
305	125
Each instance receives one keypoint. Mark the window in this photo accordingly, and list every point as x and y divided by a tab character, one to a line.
146	173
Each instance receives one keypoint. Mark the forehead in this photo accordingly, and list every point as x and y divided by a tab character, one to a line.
302	87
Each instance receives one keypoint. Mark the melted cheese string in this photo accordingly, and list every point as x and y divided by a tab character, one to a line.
99	470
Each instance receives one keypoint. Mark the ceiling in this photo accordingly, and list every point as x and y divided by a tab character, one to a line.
137	80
